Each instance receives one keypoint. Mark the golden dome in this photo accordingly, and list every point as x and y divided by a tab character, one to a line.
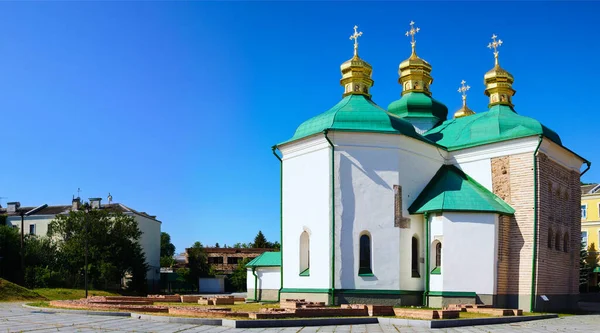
414	73
464	110
498	81
356	73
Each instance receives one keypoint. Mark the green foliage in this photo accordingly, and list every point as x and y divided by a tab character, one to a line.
167	250
10	245
238	277
54	294
260	241
197	264
113	248
584	269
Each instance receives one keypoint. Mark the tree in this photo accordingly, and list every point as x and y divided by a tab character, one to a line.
260	241
217	245
584	269
197	264
113	248
592	257
167	250
238	277
10	244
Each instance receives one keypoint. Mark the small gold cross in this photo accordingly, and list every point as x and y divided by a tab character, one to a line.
495	44
412	32
355	37
463	91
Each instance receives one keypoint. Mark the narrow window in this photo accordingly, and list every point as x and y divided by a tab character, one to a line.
566	242
438	255
583	211
365	255
32	229
550	235
584	239
557	241
304	254
415	257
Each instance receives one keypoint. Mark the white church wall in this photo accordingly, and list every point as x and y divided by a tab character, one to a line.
306	207
436	232
476	161
467	265
367	168
266	278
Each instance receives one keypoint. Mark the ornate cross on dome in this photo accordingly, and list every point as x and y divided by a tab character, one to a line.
463	90
355	37
495	44
412	32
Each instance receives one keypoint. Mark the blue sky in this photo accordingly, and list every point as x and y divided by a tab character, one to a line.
173	106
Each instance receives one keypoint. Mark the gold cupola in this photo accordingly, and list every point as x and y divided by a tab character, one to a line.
464	110
498	81
356	73
414	72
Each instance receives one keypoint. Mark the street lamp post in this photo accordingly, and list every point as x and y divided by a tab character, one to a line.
23	214
85	226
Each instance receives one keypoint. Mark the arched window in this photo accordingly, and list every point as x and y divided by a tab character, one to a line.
415	257
438	254
365	255
557	241
550	235
304	254
566	242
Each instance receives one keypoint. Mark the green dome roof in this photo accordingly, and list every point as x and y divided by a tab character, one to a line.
356	113
418	105
500	123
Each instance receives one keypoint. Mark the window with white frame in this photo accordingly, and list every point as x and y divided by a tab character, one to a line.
32	229
583	211
584	239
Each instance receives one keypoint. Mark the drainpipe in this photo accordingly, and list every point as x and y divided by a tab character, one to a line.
427	242
332	289
255	283
535	222
280	220
589	164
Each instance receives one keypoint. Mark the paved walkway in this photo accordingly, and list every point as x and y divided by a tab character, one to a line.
15	318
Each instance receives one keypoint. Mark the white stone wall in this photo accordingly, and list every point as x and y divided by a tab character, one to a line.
469	252
41	223
268	278
306	207
367	168
150	242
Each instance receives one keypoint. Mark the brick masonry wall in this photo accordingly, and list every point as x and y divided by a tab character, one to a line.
559	213
559	200
512	180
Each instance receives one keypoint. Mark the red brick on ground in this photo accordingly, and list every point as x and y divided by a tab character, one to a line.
206	313
426	314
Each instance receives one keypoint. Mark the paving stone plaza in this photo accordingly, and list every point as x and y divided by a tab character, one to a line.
15	318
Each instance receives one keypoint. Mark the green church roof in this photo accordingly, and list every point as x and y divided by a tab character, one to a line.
418	105
500	123
356	113
267	259
453	190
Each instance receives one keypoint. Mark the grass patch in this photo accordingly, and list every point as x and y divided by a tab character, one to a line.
62	294
13	292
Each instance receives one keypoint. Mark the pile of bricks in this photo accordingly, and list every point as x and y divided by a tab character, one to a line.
189	299
487	309
426	314
217	300
203	312
166	298
380	310
85	304
299	303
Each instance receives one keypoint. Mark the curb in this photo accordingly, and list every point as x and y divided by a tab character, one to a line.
260	323
178	320
447	323
84	312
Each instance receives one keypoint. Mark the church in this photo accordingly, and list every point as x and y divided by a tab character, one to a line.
411	205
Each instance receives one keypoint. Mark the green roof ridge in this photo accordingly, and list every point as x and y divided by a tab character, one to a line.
500	123
453	190
356	113
266	259
418	105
